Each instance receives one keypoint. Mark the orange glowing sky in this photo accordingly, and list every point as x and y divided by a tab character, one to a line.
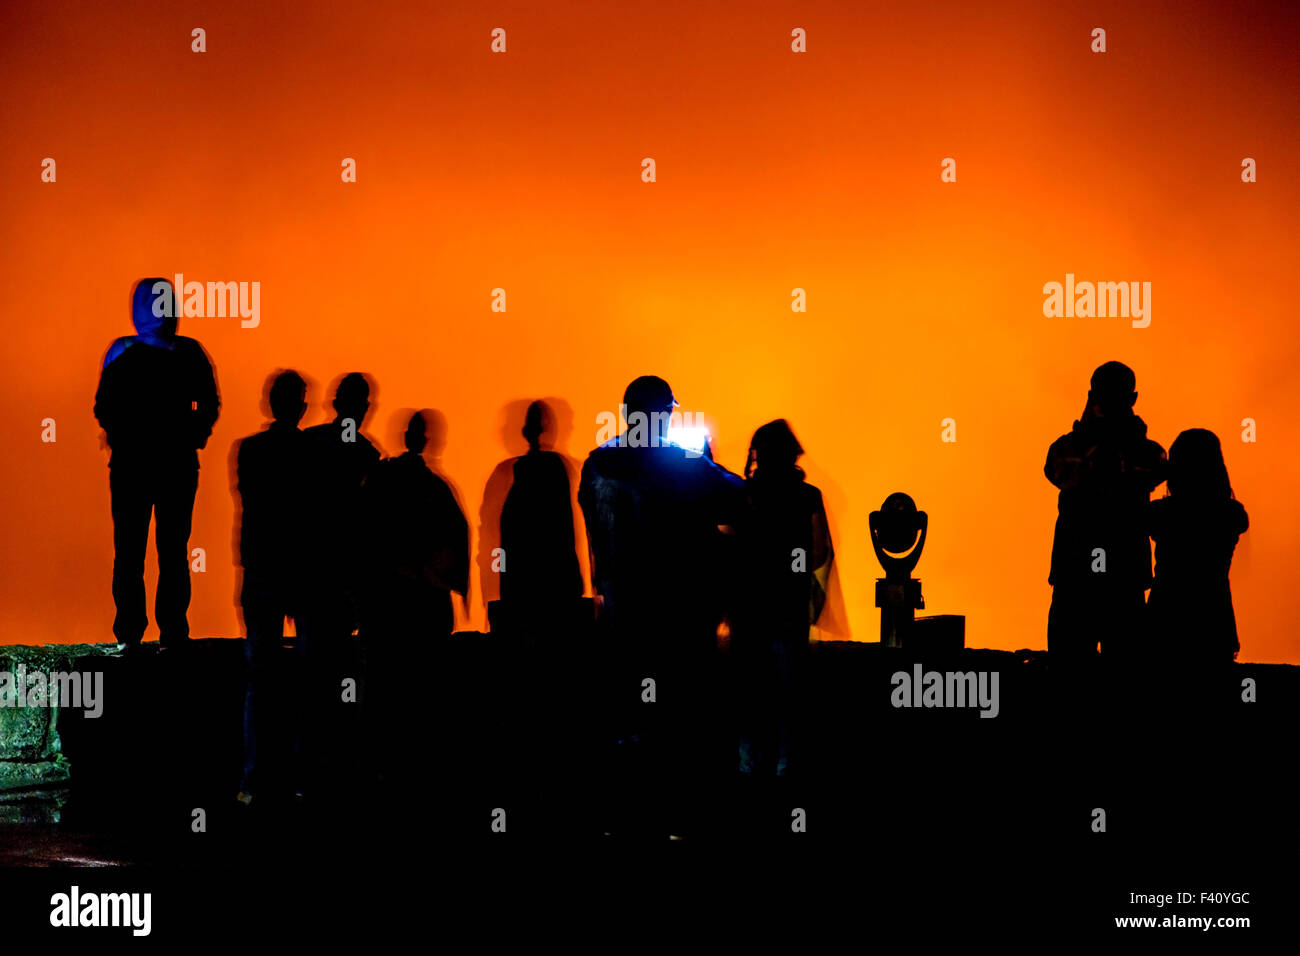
775	170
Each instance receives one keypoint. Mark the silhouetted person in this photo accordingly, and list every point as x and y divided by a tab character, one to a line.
653	513
1106	468
784	549
417	556
418	551
541	564
270	474
157	402
1195	527
339	457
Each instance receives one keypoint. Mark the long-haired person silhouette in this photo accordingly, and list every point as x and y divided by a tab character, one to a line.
1195	527
784	553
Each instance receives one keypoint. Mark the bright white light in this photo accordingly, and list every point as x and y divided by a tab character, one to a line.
692	439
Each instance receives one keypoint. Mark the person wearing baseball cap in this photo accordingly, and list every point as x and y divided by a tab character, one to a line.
655	513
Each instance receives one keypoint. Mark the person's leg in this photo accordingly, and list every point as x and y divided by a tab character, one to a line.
264	627
1072	637
1073	633
131	507
1124	639
785	657
744	676
323	634
173	514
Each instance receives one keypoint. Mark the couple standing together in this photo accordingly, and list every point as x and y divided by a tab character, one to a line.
1106	468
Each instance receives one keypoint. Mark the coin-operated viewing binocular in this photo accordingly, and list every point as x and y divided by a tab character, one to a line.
898	534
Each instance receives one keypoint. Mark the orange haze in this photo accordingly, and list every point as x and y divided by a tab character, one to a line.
775	170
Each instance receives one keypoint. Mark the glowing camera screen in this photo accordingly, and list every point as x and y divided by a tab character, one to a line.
692	439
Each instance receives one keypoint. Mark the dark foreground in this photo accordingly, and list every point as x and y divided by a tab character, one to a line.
930	820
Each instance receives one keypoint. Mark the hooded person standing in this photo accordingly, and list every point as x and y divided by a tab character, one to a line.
1106	469
157	402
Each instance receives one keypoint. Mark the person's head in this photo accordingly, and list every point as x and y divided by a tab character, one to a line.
288	397
417	434
773	450
651	396
352	397
1196	466
536	422
153	310
1112	392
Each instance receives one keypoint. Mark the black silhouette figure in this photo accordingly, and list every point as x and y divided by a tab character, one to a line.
157	402
418	556
785	553
339	459
541	564
1106	468
1195	527
272	478
418	547
653	513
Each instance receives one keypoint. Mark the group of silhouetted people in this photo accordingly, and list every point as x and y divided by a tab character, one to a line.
345	542
1106	468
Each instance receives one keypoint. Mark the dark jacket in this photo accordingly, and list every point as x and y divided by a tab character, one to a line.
1106	470
271	476
336	471
653	515
157	405
778	594
1190	608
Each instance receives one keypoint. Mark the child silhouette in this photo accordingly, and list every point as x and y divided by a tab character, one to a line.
1195	527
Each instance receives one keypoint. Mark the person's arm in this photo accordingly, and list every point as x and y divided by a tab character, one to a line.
1064	466
105	402
726	494
241	467
1150	465
596	557
821	536
460	557
1152	517
447	566
207	400
1243	519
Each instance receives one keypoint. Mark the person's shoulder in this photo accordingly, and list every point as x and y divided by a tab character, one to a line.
191	348
1065	440
322	438
254	441
812	494
601	455
117	348
711	468
383	468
